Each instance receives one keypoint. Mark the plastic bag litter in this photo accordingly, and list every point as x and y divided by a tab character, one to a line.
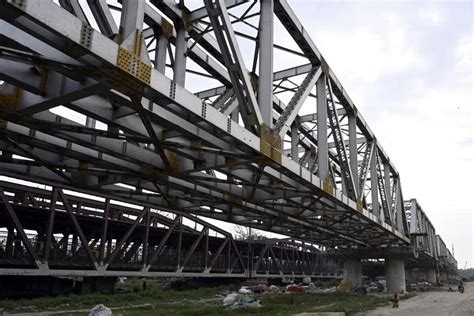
245	290
246	302
274	289
100	310
230	299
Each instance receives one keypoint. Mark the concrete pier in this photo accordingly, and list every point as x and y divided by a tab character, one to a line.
395	275
442	276
431	275
353	271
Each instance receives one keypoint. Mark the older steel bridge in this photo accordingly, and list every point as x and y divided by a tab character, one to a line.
141	117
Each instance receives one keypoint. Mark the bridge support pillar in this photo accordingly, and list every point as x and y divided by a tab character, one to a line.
430	275
442	276
353	271
395	275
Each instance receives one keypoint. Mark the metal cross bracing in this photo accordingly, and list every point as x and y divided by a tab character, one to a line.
445	257
55	231
421	229
167	100
429	247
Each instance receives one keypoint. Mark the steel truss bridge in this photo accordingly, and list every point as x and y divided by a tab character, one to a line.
139	118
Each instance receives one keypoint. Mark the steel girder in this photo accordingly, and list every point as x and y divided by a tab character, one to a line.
424	238
205	153
56	231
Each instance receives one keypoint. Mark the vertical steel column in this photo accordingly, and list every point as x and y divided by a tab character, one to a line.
388	189
353	146
180	242
146	238
249	254
131	26
179	70
322	115
90	122
49	233
74	243
265	81
160	53
374	185
235	115
413	217
133	13
294	141
206	250
104	231
400	207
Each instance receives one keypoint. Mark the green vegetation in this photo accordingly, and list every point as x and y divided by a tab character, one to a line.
202	301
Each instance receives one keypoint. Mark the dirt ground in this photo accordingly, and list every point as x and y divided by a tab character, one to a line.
432	304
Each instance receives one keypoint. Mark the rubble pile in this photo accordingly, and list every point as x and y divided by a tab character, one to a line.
249	296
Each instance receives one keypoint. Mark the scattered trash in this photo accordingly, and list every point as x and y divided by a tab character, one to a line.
248	296
275	289
307	280
310	288
100	310
377	286
345	285
239	300
261	288
245	290
294	288
315	290
230	299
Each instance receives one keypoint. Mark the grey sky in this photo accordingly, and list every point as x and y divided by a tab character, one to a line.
408	68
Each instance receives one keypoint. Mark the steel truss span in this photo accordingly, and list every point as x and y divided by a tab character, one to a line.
99	236
163	105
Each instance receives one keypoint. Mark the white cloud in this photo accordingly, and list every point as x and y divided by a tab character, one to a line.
416	95
367	54
430	15
463	55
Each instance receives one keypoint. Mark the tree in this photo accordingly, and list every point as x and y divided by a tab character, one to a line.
243	233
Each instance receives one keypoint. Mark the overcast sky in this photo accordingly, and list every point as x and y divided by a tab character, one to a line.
408	68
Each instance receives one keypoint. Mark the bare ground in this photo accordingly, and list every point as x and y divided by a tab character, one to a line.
436	303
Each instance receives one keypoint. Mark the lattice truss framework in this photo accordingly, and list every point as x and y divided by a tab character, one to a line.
57	231
245	149
427	244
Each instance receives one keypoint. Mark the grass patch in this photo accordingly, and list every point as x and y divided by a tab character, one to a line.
202	301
